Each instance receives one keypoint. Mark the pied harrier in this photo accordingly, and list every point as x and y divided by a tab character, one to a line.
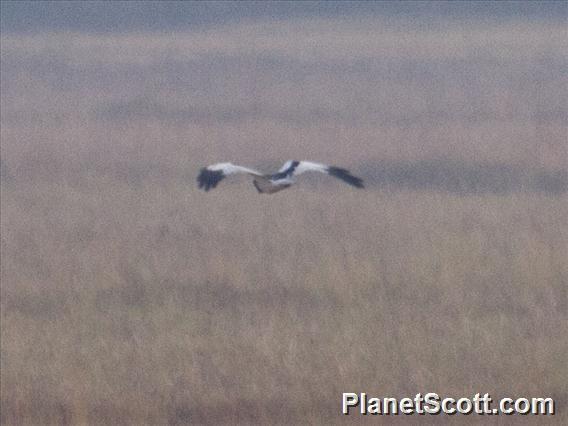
210	176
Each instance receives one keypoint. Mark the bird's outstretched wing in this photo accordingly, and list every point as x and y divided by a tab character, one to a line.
292	168
210	176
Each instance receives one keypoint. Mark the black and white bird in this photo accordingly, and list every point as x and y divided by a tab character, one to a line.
211	175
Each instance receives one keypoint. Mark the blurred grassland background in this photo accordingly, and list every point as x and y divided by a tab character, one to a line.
129	297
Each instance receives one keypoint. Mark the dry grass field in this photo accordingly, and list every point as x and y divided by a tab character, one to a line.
130	297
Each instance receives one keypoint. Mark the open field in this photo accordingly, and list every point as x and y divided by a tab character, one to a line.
129	297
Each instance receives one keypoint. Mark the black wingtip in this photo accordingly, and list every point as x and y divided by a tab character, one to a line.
346	176
208	179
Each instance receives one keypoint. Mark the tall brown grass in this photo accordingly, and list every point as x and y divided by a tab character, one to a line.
129	297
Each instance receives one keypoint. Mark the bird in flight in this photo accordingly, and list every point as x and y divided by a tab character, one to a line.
210	176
